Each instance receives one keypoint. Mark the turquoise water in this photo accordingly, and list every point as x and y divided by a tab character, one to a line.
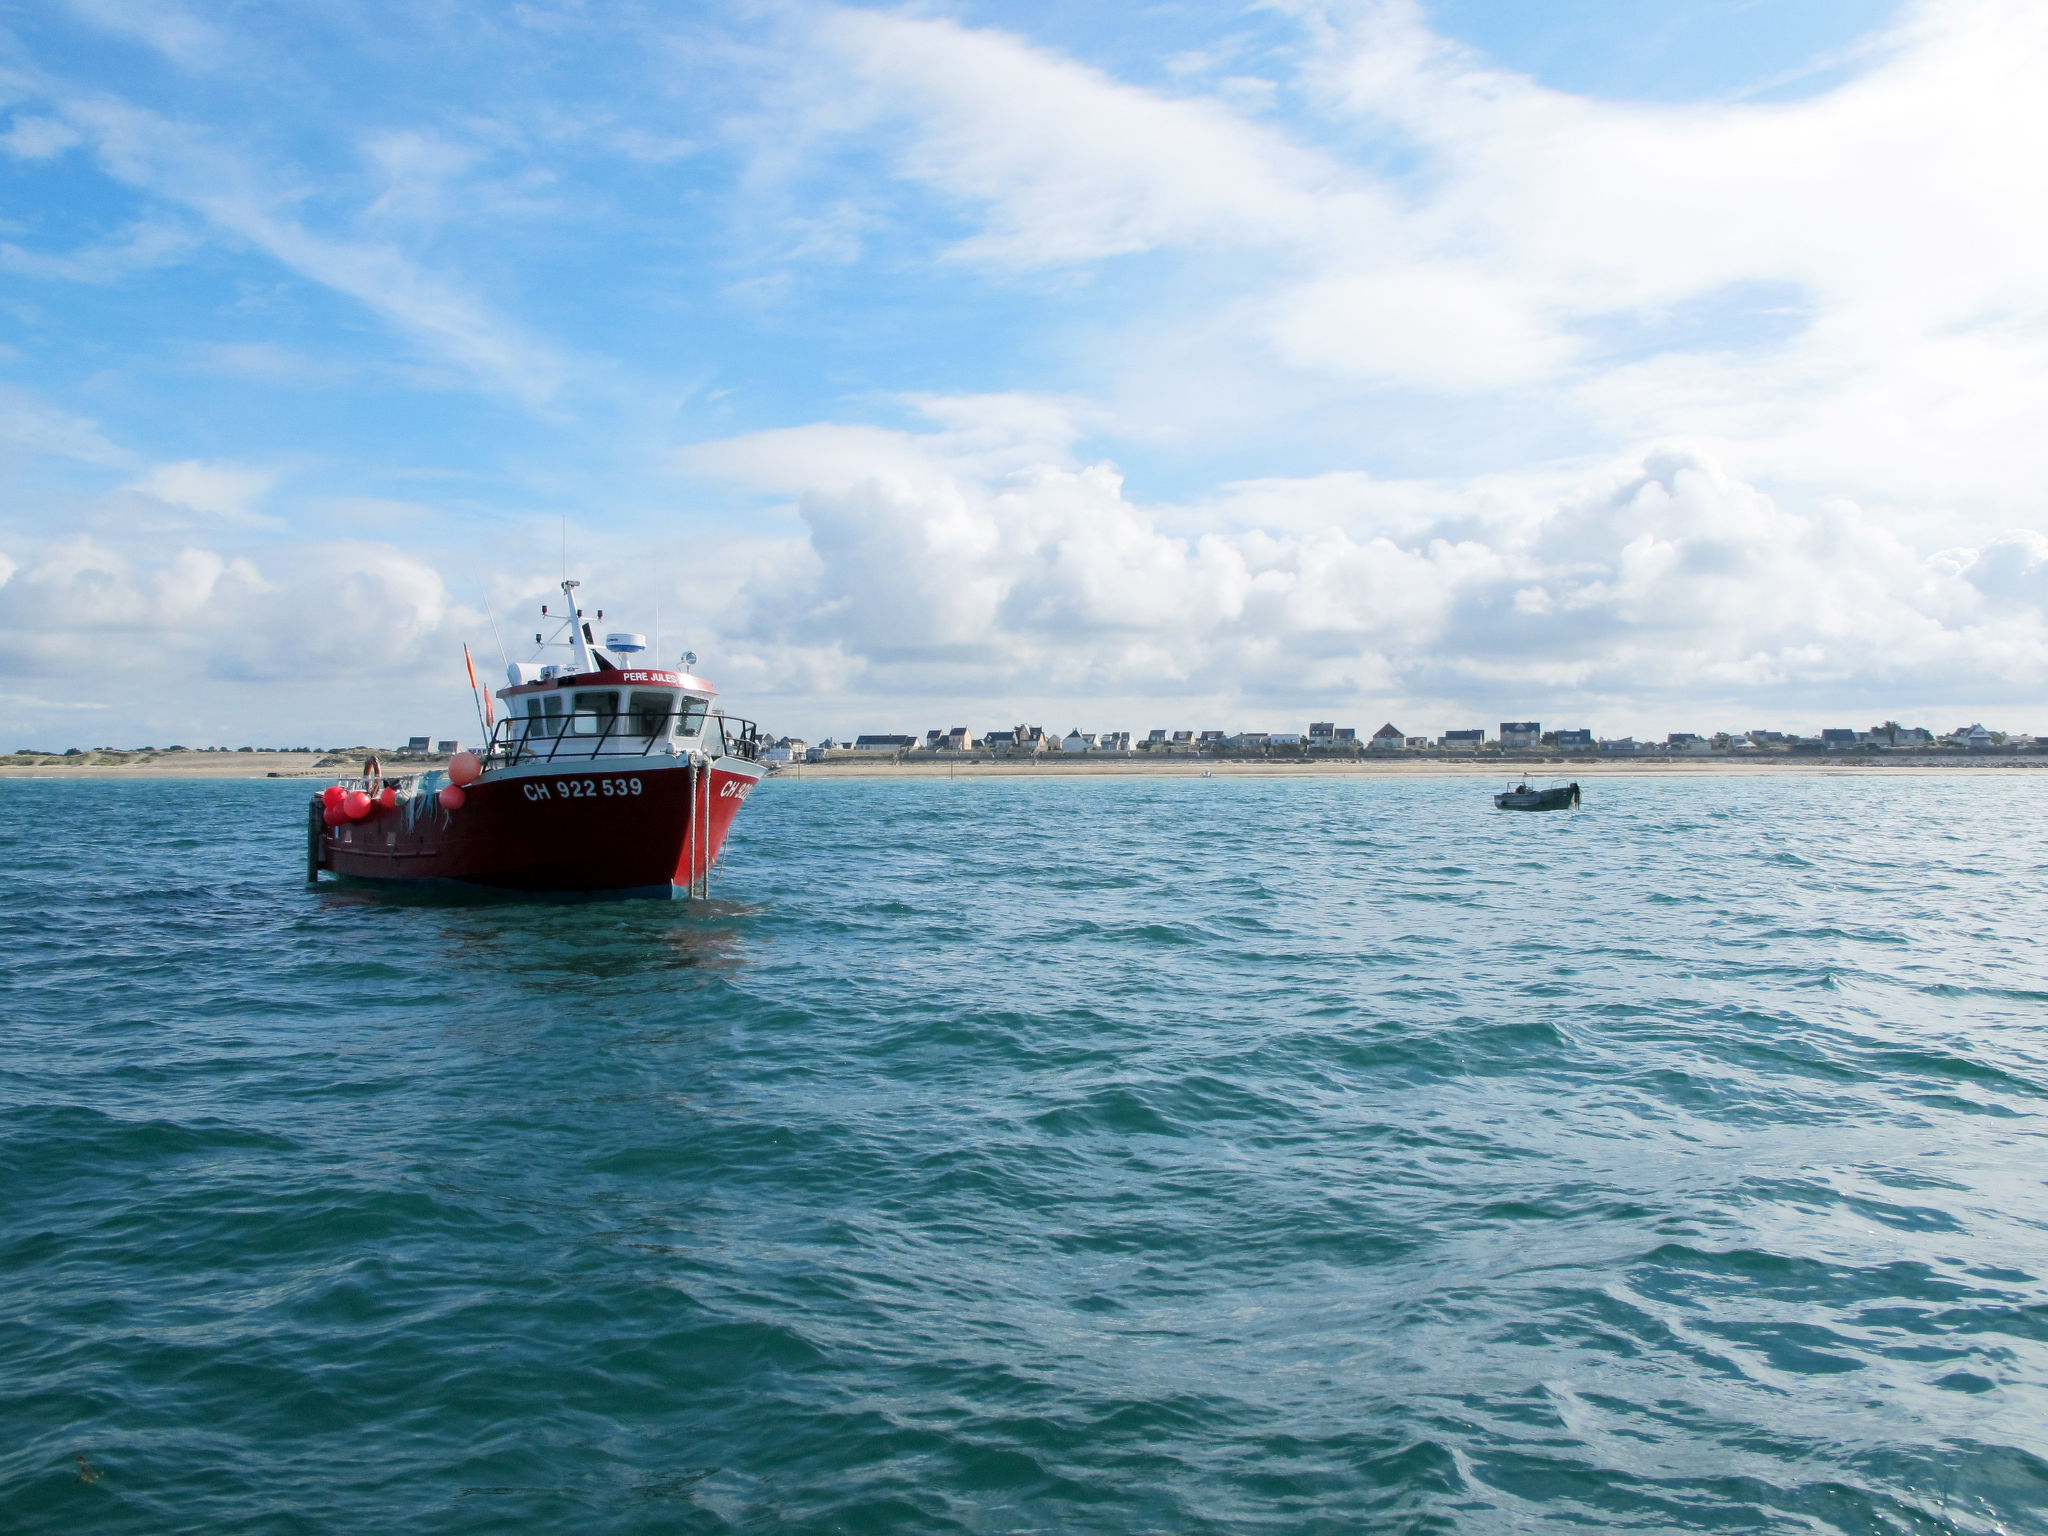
1169	1155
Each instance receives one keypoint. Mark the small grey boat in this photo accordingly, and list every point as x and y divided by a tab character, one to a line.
1559	797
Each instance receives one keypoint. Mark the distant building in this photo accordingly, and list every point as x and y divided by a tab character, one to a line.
445	748
999	741
1347	735
1619	745
1463	740
419	744
1971	736
1113	741
1286	739
1210	739
1575	741
1183	738
1076	742
1837	740
1388	738
883	743
1520	734
1322	733
1157	738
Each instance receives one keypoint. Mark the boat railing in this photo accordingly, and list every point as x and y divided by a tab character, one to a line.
585	734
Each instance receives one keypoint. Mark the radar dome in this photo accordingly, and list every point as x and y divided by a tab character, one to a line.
625	642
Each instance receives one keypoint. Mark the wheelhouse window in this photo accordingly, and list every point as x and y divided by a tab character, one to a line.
596	714
538	722
692	720
651	712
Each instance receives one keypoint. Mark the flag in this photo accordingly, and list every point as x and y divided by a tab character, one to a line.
490	714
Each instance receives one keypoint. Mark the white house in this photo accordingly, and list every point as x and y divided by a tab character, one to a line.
1521	733
1388	738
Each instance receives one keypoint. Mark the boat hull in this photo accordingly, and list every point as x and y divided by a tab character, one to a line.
616	830
1561	798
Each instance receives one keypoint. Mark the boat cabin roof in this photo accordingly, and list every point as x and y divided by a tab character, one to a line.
616	677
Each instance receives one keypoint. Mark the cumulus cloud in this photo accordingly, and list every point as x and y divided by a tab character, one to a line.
345	611
931	564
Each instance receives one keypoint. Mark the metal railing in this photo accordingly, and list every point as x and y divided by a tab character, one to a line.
547	738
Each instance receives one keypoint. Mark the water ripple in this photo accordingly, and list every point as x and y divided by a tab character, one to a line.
1160	1155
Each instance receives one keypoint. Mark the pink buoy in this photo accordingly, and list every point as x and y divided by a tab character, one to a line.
355	805
330	797
451	797
465	768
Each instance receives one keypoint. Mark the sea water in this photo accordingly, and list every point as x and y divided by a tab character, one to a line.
1096	1156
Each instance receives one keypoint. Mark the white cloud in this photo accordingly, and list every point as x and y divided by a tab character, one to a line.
37	138
1070	164
224	490
170	29
140	248
1533	242
348	612
933	566
175	161
29	425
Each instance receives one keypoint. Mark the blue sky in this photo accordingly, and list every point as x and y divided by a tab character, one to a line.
1647	365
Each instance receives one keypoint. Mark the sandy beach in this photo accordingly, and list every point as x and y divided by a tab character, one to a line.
206	765
1531	766
327	766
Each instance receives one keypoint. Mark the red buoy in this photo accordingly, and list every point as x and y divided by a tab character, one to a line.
330	797
355	805
451	797
331	814
389	799
465	768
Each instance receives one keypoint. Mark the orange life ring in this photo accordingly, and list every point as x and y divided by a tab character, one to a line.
373	776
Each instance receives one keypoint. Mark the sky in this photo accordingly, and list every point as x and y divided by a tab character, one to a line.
1645	365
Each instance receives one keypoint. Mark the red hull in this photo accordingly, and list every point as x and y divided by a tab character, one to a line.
623	830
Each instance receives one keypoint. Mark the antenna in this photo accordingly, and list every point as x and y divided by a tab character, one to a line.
494	633
565	548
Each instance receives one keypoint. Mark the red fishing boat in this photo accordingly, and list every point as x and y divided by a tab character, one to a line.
604	779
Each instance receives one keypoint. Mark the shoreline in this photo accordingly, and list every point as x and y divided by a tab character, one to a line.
1531	767
215	765
328	766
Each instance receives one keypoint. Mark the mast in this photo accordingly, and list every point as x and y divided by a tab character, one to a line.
585	661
